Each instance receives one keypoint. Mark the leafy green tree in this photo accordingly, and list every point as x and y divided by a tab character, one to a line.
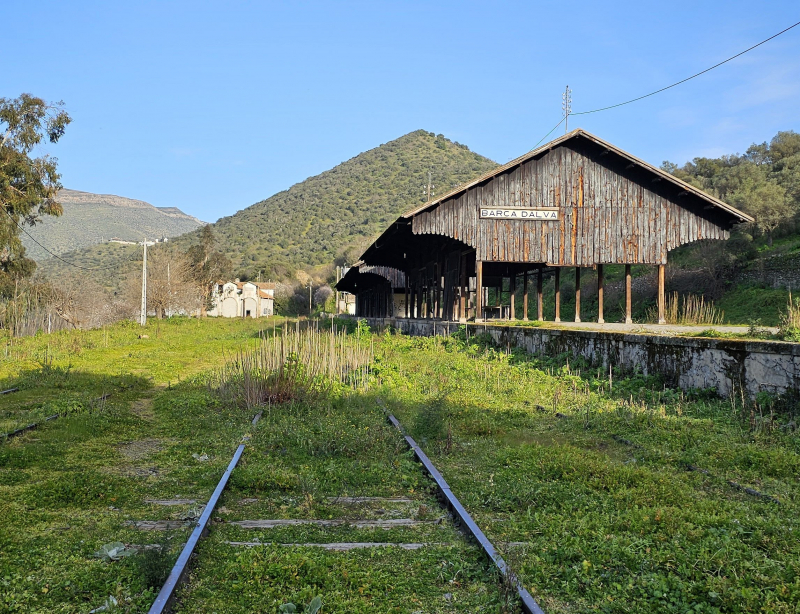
784	145
766	201
207	266
28	185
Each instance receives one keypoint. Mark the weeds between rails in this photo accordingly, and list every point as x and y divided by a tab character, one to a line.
515	593
362	466
586	507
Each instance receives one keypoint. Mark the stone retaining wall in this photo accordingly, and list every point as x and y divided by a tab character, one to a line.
685	362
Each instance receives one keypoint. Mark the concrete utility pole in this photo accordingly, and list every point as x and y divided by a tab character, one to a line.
338	277
143	316
566	106
169	294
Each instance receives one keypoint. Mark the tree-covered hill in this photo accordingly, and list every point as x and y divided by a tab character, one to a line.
90	219
338	213
333	215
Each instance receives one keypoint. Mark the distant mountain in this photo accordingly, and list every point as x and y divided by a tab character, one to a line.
90	219
335	214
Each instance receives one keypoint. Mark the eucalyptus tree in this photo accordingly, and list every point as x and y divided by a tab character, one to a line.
28	184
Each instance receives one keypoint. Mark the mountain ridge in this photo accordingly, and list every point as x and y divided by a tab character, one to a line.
90	219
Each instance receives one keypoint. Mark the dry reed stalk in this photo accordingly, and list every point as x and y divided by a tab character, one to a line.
690	309
297	362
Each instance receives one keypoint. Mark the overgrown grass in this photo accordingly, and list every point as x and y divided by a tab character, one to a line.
605	491
593	474
295	364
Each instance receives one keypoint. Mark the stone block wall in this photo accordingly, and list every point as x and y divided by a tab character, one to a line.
684	362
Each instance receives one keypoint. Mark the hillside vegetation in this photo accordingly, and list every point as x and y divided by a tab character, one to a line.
749	275
329	217
336	214
90	219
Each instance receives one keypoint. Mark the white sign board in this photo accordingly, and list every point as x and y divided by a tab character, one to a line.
548	213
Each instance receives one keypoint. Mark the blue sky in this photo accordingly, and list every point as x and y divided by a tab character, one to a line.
212	106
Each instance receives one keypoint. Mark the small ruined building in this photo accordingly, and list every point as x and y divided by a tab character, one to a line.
248	299
576	202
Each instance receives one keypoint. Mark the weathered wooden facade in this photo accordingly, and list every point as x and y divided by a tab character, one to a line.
578	201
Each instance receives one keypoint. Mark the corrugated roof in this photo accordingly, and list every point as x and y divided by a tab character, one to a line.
579	132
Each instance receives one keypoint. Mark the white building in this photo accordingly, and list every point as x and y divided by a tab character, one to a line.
249	299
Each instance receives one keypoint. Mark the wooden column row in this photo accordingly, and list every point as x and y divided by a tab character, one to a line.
428	298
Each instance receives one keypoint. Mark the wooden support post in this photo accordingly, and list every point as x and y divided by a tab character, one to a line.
462	310
628	319
661	298
436	291
406	296
525	296
577	294
540	294
600	319
513	291
478	290
558	294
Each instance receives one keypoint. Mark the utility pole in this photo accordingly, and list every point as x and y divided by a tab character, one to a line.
143	316
169	293
309	298
566	106
337	289
430	185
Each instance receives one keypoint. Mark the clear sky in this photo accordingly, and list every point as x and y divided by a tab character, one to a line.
212	106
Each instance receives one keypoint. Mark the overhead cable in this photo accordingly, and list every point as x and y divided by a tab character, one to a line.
702	72
77	266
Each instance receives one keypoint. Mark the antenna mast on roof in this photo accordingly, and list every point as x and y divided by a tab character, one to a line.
566	106
430	185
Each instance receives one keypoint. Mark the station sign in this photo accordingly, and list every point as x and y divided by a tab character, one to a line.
542	213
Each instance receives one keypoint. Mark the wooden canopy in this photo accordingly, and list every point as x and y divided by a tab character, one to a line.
578	201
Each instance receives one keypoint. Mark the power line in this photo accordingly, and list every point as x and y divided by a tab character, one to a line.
77	266
568	111
548	134
702	72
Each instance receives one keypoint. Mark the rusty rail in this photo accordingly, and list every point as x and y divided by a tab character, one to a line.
528	602
34	425
29	427
166	596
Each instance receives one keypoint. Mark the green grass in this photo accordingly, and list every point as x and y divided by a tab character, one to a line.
747	304
537	457
582	481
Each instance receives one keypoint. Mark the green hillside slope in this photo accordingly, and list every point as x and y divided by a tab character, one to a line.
90	219
332	215
339	212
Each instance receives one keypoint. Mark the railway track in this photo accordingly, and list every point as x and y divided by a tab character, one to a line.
419	523
34	425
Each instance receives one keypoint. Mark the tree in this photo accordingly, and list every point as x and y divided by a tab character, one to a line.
322	294
170	283
207	266
766	201
28	186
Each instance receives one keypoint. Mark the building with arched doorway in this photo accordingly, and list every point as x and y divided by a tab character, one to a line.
248	299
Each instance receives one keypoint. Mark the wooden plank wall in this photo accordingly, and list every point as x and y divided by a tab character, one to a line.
604	217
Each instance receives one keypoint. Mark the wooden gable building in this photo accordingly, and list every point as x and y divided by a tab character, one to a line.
578	201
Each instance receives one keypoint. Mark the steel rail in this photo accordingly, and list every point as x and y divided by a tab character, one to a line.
33	425
528	602
166	596
29	427
9	391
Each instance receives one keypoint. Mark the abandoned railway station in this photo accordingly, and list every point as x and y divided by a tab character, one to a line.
576	202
